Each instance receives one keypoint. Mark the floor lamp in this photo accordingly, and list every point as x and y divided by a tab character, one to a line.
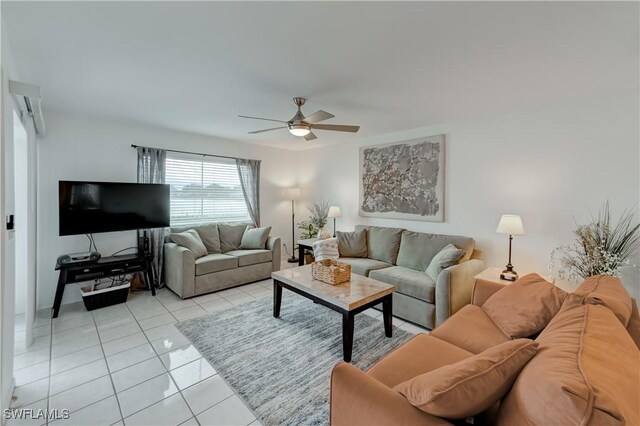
293	194
334	212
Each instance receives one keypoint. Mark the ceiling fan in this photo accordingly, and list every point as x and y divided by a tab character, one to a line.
301	126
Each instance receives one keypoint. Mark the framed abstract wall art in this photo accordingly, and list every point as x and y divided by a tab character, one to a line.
403	180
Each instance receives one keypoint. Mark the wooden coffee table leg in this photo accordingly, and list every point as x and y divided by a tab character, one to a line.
347	335
277	298
387	314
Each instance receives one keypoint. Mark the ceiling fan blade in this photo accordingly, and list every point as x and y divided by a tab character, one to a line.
337	127
317	117
310	137
260	118
267	130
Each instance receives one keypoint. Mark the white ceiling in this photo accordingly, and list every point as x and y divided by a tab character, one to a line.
386	66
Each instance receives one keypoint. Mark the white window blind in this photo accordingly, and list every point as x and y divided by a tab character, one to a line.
204	189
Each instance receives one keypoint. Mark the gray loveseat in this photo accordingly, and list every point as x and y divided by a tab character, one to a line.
400	257
225	265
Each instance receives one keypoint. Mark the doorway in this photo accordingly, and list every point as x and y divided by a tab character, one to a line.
24	313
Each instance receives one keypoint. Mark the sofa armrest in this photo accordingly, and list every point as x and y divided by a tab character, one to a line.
482	290
275	245
454	287
180	270
359	399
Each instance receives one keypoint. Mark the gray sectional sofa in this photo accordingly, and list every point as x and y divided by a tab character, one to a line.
400	257
225	265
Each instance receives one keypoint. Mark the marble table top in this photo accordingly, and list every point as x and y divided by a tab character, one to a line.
307	242
350	295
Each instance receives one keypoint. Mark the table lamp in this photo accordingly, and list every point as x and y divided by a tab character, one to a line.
511	225
292	194
334	211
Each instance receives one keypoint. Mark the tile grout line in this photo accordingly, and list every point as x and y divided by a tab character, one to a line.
50	368
223	379
95	325
104	355
167	370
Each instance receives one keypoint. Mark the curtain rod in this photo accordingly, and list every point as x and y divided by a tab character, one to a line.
194	153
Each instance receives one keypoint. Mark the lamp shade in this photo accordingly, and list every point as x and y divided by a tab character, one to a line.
334	211
292	194
510	224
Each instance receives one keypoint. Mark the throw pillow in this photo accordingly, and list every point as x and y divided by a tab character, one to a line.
190	240
607	291
470	386
231	236
445	258
383	243
255	238
210	237
326	249
525	307
352	244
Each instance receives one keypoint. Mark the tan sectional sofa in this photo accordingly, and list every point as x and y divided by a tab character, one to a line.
586	370
400	257
225	265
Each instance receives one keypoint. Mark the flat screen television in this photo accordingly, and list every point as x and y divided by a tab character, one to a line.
93	207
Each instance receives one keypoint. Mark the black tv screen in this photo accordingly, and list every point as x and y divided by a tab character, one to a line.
92	207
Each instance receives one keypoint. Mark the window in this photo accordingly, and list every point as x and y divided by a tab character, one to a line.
204	189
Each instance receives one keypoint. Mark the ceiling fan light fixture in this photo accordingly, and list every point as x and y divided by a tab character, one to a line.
299	129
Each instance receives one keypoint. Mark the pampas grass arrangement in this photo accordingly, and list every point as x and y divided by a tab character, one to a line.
601	247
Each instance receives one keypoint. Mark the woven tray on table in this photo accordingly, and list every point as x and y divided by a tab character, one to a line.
331	271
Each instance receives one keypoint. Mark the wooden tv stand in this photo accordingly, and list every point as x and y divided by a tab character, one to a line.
104	267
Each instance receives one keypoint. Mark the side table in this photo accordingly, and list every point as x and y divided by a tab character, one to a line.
490	278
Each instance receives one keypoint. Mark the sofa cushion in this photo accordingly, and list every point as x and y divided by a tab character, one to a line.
417	248
363	266
215	262
208	233
190	240
633	328
525	307
607	291
231	235
251	257
210	237
471	329
470	386
382	243
419	355
255	238
352	244
585	372
408	282
445	258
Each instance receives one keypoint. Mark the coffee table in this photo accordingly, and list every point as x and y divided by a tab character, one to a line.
349	299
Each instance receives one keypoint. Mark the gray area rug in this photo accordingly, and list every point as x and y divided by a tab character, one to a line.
281	367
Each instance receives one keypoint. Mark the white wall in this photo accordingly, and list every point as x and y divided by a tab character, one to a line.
83	148
550	166
7	290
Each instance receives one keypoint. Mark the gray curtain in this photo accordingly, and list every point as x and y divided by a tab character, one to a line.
151	169
249	171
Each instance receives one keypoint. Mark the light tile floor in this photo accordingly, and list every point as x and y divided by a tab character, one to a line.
128	364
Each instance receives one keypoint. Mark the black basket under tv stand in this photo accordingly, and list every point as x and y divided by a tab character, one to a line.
104	267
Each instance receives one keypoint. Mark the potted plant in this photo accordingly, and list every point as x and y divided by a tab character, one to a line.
601	247
319	211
